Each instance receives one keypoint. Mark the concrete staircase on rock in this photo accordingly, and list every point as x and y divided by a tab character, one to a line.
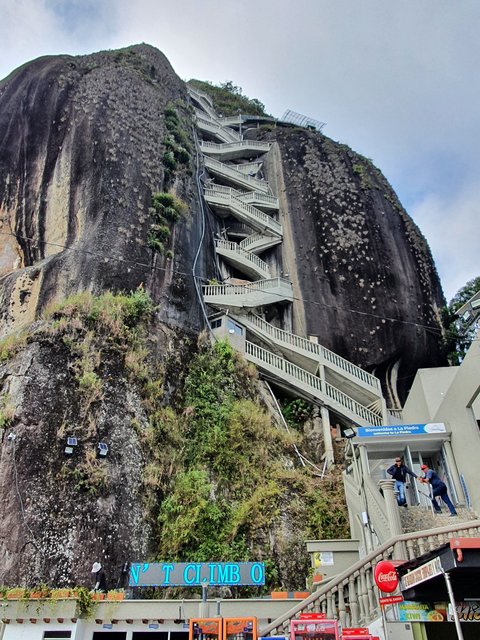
244	202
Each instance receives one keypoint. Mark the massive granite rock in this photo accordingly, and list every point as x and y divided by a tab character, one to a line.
365	281
82	141
82	149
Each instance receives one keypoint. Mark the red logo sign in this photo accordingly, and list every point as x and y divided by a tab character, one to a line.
356	631
313	616
386	577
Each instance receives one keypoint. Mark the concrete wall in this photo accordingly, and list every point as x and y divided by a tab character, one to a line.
453	394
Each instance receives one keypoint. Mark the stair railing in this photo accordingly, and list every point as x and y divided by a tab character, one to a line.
316	350
352	596
306	381
214	195
226	170
246	255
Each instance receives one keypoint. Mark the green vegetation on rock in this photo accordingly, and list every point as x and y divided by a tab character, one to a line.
228	99
166	210
234	483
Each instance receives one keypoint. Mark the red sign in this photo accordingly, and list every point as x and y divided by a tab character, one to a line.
313	616
386	577
355	631
390	600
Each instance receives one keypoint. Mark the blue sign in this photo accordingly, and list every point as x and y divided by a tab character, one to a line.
196	574
401	430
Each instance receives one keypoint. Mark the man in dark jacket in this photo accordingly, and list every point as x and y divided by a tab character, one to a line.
100	579
439	488
399	473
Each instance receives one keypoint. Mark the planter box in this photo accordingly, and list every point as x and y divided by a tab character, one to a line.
62	594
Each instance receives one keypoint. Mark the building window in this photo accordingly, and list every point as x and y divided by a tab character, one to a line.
233	327
52	635
216	323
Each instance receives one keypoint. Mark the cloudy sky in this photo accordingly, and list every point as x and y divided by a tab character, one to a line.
397	80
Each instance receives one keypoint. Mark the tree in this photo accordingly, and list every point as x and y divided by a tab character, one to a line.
459	333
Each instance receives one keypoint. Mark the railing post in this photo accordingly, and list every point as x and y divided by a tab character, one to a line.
370	593
363	596
342	612
393	516
352	598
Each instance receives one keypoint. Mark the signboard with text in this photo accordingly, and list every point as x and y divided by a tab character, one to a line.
467	611
421	612
421	574
401	430
194	574
390	600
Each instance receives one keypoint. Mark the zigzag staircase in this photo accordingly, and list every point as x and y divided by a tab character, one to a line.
243	201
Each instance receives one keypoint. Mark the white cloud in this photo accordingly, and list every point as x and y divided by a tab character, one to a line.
397	81
451	226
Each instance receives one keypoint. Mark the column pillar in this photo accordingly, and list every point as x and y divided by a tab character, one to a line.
327	436
364	460
393	517
452	467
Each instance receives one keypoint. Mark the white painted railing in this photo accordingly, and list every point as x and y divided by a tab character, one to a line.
236	120
228	135
317	351
352	596
240	228
207	147
227	171
242	289
199	94
310	383
249	167
246	211
259	242
233	247
260	198
250	196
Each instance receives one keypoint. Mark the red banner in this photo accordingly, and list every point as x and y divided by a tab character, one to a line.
313	616
390	600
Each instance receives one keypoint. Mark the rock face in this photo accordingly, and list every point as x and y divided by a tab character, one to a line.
84	145
366	281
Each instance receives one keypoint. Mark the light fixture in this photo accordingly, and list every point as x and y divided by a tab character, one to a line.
69	447
102	449
349	432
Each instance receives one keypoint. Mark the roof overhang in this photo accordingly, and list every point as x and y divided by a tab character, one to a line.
422	579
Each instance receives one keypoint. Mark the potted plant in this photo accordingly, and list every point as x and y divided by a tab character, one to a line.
61	594
15	593
116	594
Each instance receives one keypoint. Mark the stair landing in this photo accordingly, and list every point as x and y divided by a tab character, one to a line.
420	518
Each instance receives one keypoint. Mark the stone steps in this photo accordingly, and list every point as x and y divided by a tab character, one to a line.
421	518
